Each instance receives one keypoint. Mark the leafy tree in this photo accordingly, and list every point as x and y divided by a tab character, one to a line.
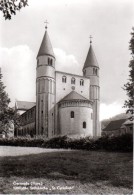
129	86
4	99
7	114
9	7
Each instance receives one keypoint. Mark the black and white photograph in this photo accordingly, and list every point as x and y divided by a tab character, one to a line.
66	96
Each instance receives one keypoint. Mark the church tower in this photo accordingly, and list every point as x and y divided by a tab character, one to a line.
45	89
91	70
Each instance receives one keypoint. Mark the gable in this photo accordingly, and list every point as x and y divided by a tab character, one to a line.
64	88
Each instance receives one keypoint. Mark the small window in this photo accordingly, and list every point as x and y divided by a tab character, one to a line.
51	61
84	125
38	62
72	114
91	115
81	82
64	79
95	72
73	80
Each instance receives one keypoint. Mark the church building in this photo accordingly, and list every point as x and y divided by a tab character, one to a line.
66	104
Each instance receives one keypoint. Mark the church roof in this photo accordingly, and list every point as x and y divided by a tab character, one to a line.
73	95
91	59
46	46
23	105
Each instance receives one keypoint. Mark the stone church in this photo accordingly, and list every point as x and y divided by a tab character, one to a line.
66	104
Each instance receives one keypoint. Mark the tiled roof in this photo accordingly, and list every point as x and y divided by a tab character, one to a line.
46	47
91	59
23	105
73	95
114	125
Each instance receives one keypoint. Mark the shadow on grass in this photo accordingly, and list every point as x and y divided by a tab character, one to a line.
85	166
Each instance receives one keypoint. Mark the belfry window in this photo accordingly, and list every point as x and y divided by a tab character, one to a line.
64	79
73	80
81	82
72	114
38	62
94	71
50	61
84	125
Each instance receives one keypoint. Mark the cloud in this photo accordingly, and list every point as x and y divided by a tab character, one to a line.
18	69
66	62
110	110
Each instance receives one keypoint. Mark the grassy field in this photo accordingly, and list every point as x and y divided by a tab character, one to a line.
67	172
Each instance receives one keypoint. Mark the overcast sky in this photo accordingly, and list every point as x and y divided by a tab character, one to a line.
71	22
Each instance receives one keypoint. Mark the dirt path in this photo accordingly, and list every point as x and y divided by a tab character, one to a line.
19	151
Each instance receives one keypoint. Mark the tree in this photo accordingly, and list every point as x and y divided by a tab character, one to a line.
7	114
9	7
129	86
4	99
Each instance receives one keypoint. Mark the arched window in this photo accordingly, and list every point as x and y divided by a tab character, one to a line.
51	61
64	79
73	80
84	125
81	82
72	114
38	62
95	72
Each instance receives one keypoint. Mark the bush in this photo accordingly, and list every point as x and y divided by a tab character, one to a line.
123	143
25	142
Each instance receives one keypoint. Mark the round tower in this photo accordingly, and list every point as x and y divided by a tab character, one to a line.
45	89
91	70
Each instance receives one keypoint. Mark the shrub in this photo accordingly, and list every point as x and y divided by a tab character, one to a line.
123	143
25	142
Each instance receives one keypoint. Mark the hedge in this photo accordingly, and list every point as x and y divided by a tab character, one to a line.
123	143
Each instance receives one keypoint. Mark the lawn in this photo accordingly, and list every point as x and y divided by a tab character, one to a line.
66	172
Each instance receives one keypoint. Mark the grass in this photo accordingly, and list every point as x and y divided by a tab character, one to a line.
68	172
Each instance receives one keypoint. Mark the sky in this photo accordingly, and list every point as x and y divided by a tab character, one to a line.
71	22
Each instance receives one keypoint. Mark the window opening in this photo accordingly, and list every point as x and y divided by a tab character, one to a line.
72	114
84	125
81	82
73	80
64	79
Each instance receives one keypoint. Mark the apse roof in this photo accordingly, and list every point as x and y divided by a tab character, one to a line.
73	95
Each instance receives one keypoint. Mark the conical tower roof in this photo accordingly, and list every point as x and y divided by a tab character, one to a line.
46	46
91	59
